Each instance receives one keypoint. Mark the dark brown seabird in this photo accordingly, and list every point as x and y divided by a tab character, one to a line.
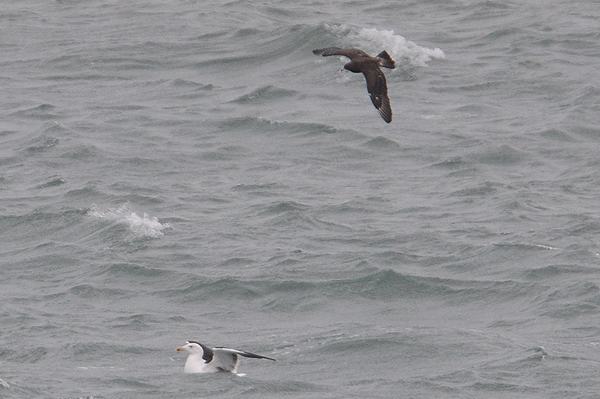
369	66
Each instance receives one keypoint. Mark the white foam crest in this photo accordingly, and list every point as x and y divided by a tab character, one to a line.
373	40
140	226
398	46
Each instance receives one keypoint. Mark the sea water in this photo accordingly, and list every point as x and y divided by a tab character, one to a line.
190	170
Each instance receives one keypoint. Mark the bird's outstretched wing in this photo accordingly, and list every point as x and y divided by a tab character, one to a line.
226	359
347	52
377	88
239	352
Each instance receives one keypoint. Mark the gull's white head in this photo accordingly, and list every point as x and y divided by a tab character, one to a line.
192	347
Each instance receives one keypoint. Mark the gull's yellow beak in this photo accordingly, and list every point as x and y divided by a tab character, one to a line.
179	348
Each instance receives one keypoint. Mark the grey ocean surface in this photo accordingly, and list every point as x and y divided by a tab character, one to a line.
189	170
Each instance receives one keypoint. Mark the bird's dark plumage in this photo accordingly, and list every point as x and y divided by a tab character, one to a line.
361	62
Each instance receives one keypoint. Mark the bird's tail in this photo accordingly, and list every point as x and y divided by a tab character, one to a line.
386	60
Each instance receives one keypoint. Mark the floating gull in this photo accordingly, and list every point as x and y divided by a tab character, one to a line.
203	359
369	66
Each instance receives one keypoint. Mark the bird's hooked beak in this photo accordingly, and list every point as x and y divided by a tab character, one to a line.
179	348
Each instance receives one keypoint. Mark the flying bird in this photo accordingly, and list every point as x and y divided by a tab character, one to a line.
370	67
202	359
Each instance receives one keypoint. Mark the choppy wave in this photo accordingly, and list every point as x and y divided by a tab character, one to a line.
140	226
376	40
266	125
381	285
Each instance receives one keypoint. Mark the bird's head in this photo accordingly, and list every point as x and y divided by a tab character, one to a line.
191	347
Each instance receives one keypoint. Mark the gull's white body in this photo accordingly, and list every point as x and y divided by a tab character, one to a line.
202	359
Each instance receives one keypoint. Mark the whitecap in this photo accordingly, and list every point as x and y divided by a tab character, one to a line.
375	40
140	226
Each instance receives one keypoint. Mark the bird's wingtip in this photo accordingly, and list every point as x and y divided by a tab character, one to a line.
387	117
